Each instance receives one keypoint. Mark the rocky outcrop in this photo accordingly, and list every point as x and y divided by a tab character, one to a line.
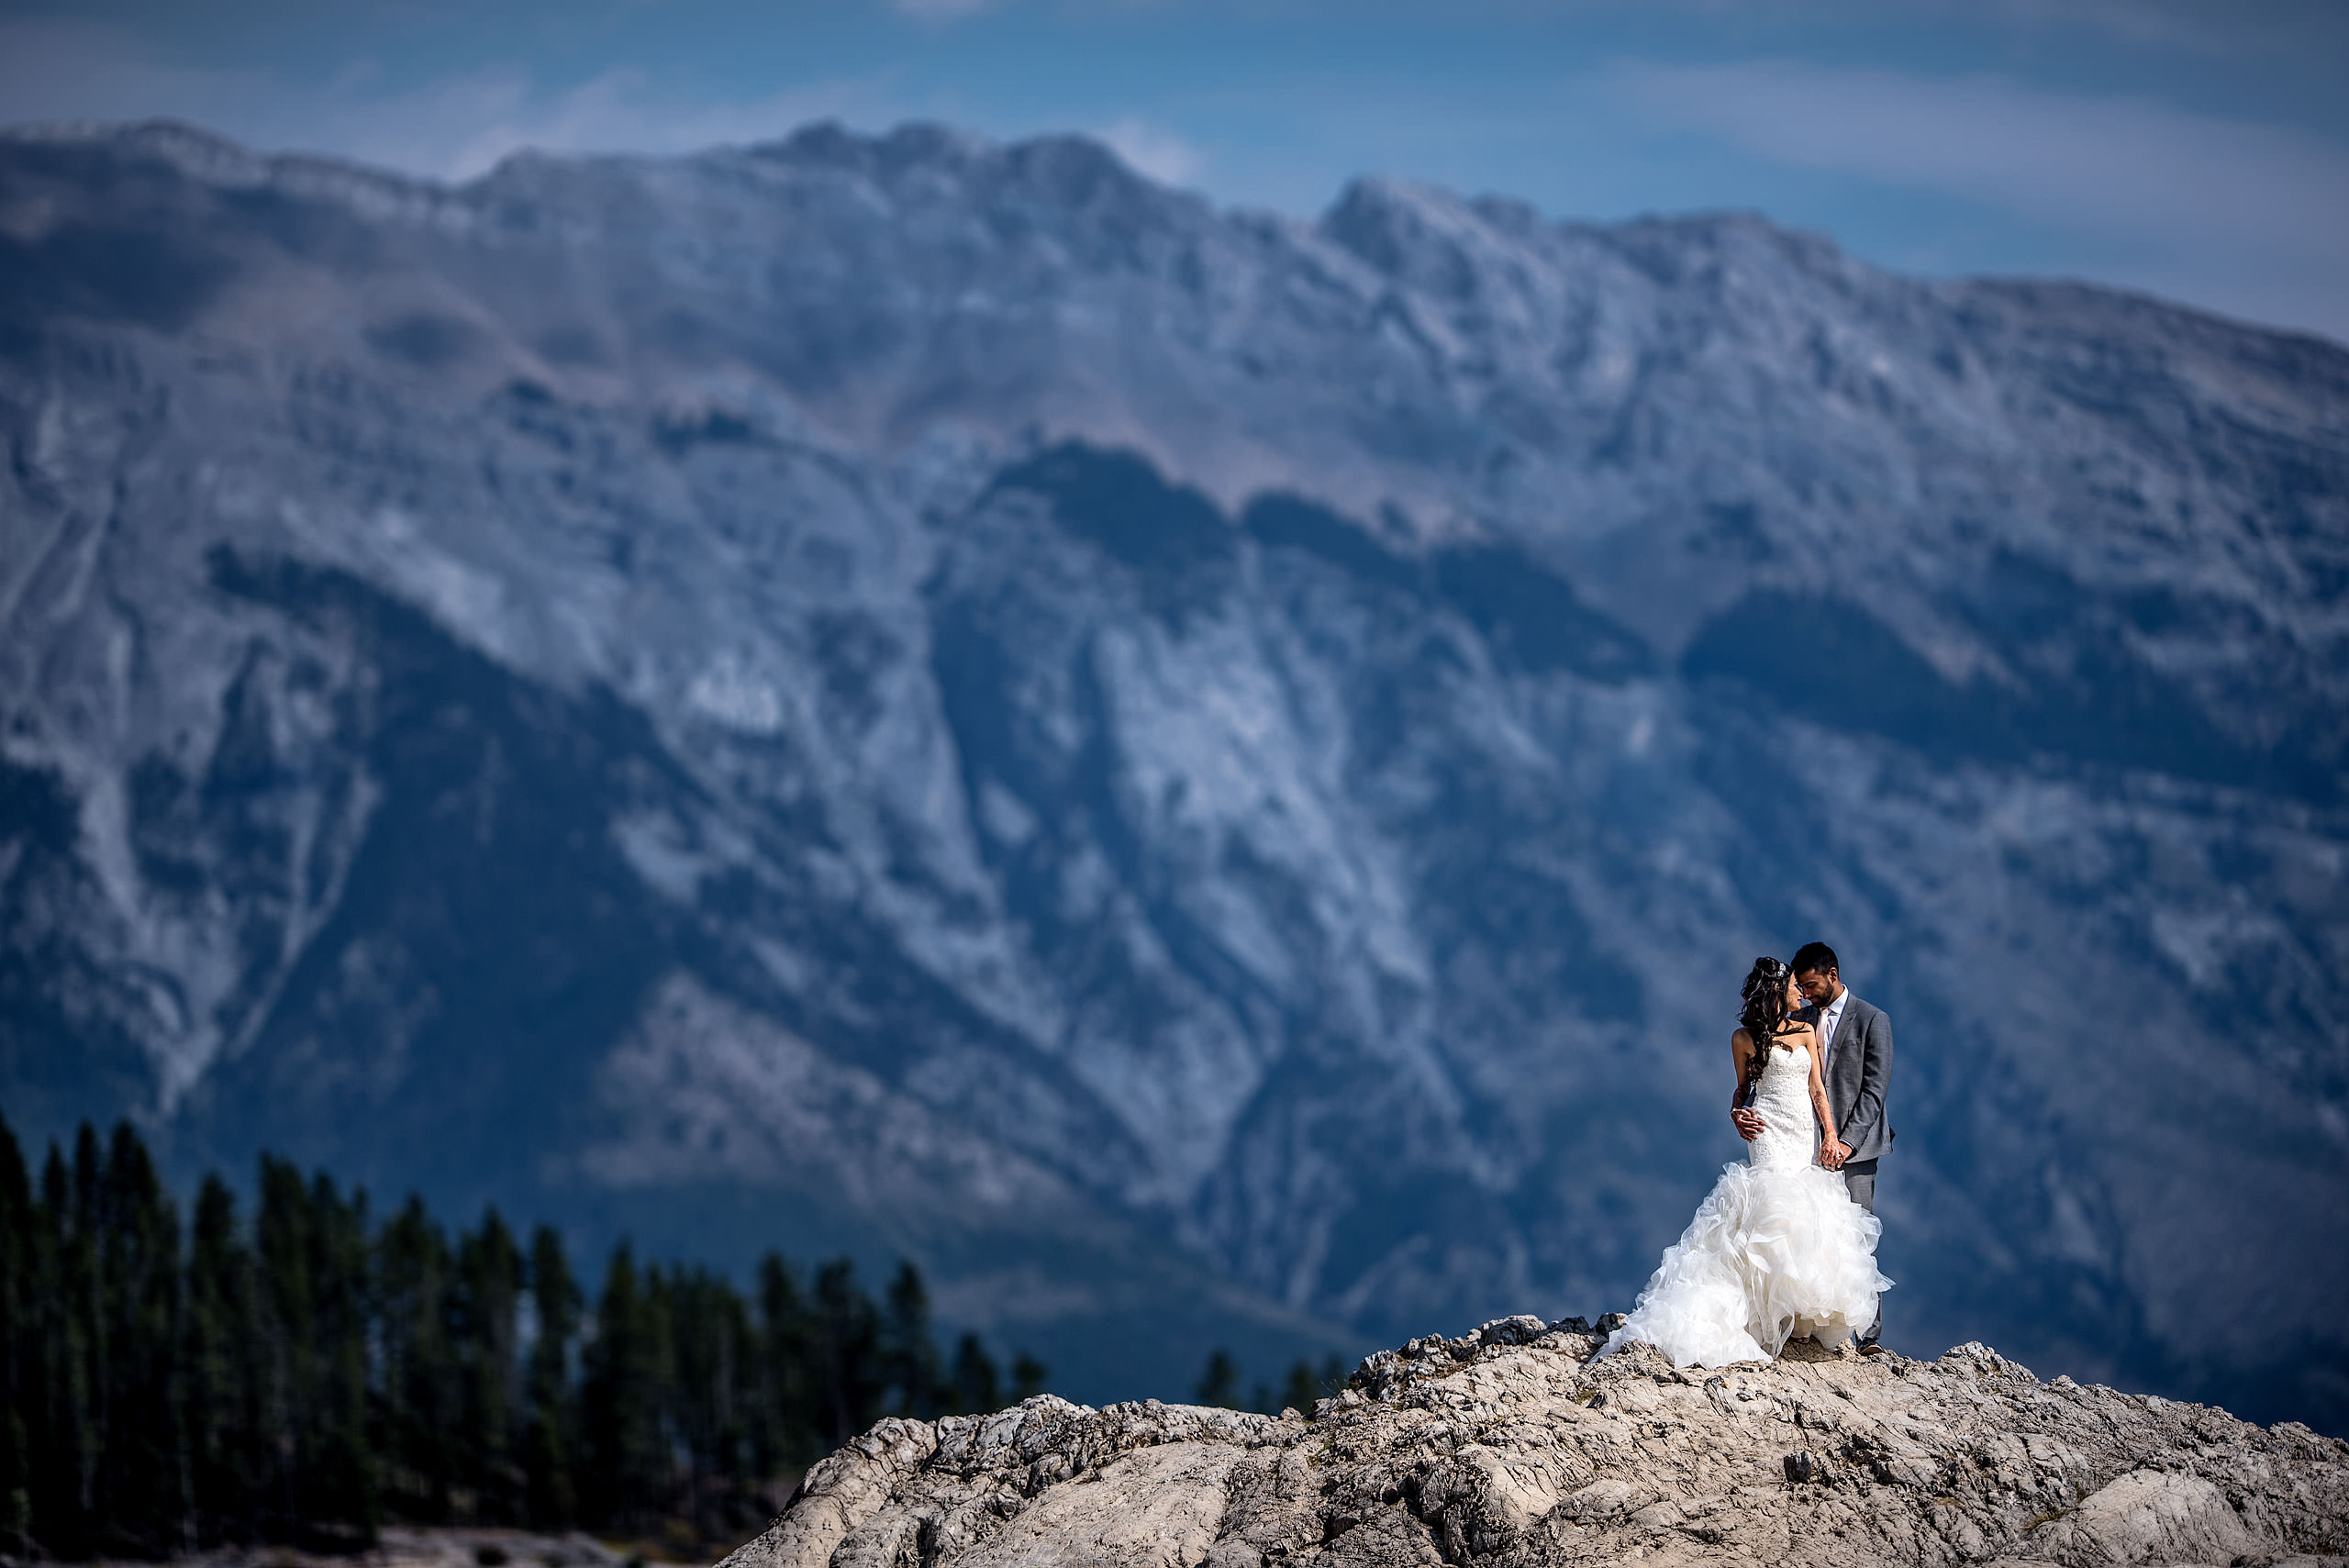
1514	1445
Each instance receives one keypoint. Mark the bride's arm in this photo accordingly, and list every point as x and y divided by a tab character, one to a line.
1819	1095
1745	1119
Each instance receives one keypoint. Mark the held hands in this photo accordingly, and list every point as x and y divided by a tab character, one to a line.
1749	1122
1833	1153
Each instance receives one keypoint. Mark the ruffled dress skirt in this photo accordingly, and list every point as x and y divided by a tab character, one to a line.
1775	1251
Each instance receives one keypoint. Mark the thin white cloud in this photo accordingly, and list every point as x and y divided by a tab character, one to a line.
461	127
451	128
1153	151
455	128
2191	196
943	10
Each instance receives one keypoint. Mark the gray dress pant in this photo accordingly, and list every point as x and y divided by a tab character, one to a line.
1859	1176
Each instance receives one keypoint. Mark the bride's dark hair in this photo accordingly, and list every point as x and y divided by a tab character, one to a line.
1764	1013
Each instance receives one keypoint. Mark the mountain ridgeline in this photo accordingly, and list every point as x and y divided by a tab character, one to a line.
1208	777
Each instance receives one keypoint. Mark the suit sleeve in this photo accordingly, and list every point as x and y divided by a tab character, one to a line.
1876	1071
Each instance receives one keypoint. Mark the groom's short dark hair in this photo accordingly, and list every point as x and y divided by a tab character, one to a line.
1815	958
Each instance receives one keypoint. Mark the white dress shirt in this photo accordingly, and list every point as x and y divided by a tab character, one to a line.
1830	1017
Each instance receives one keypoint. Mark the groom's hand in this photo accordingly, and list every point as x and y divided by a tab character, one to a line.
1749	1122
1833	1153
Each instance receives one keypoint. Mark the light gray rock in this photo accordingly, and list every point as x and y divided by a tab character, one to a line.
1508	1448
2151	1516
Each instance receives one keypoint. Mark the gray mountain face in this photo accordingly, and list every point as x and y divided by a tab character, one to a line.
1211	778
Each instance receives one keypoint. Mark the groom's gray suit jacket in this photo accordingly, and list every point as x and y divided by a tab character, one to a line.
1859	1065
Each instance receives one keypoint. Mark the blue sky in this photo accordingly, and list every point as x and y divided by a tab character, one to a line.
2198	151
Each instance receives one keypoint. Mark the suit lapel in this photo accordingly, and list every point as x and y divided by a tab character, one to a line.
1842	1028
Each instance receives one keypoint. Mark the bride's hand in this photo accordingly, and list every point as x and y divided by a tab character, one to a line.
1832	1153
1748	1123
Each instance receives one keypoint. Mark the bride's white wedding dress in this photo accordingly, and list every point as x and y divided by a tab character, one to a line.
1779	1249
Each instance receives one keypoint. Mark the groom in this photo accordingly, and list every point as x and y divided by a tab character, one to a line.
1857	1038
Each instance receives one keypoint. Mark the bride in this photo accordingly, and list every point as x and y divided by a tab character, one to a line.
1779	1249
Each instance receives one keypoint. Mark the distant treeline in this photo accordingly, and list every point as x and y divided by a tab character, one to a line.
309	1375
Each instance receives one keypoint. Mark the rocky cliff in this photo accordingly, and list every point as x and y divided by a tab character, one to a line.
1204	774
1513	1446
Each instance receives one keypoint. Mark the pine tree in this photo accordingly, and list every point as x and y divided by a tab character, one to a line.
312	1250
286	1329
654	1473
716	1397
909	1351
48	1406
1219	1382
225	1460
95	1424
550	1443
1028	1376
19	1347
66	1498
140	1502
785	1431
849	1376
976	1388
1305	1387
621	1399
418	1375
349	1484
485	1331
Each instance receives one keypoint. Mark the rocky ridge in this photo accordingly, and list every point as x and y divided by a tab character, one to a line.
1514	1444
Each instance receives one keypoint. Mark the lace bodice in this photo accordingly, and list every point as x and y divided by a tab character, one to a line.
1790	1129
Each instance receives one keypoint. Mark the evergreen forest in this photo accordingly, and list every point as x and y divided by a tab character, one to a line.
306	1371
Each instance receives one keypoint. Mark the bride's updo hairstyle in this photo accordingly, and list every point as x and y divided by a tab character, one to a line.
1765	1010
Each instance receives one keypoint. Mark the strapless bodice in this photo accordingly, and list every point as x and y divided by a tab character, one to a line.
1790	1129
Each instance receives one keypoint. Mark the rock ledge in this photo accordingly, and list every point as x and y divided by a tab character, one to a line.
1511	1445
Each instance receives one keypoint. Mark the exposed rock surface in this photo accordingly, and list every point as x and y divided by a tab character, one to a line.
1513	1446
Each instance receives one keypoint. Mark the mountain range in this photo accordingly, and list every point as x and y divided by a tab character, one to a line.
1210	777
